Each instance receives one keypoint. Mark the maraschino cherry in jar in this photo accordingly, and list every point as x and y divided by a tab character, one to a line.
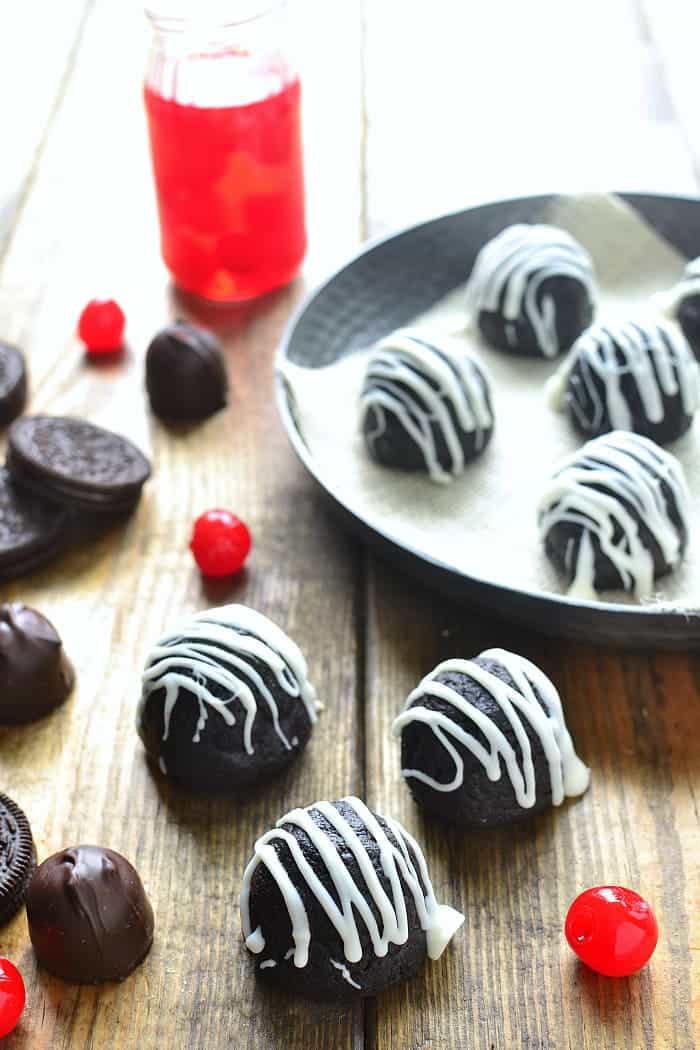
223	104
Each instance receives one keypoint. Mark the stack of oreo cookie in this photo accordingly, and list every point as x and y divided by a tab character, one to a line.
58	472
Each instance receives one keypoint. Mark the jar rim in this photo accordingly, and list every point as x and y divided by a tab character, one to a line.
178	16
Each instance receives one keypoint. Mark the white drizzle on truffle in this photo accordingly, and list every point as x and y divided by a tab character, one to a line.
597	488
417	379
226	647
654	356
520	706
510	270
402	865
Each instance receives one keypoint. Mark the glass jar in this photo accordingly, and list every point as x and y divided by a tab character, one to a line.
222	98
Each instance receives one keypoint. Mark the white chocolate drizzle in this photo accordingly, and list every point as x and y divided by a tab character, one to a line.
267	964
345	973
607	488
654	356
226	647
509	272
429	389
401	862
520	706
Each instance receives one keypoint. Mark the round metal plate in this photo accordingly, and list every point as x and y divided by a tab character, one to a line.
391	281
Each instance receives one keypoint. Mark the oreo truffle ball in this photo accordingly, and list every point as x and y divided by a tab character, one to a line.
682	304
185	373
424	406
633	376
337	903
35	673
484	742
531	291
89	917
226	701
615	516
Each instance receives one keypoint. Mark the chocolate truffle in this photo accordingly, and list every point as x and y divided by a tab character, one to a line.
531	291
35	673
185	373
424	406
337	903
615	516
226	701
682	304
632	376
13	383
484	742
89	917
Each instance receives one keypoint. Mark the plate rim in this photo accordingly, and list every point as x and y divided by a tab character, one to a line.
660	614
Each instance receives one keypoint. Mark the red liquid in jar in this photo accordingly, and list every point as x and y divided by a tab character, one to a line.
230	188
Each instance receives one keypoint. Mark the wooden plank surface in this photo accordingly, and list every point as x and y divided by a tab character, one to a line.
511	99
443	128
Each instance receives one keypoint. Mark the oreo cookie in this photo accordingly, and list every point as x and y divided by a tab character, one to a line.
77	463
13	383
31	529
17	858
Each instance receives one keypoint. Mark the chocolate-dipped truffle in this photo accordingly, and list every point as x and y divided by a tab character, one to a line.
424	406
35	673
484	742
639	376
531	291
226	701
89	917
615	516
185	373
337	903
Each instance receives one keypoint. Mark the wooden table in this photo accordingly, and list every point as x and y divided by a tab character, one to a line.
410	110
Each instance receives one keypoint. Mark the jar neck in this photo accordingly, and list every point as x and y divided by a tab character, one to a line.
213	18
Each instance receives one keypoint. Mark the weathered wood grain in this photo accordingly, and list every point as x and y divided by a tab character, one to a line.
88	224
502	100
38	43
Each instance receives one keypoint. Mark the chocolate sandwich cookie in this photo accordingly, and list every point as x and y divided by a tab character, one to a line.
31	529
35	673
77	463
185	373
17	858
13	383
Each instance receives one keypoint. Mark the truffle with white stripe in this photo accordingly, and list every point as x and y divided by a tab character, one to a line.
341	900
531	291
615	515
424	405
484	742
638	375
682	304
226	701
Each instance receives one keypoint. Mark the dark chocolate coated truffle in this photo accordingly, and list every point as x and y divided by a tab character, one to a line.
424	406
615	516
35	673
634	376
337	903
89	917
682	304
484	742
185	373
226	701
531	291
